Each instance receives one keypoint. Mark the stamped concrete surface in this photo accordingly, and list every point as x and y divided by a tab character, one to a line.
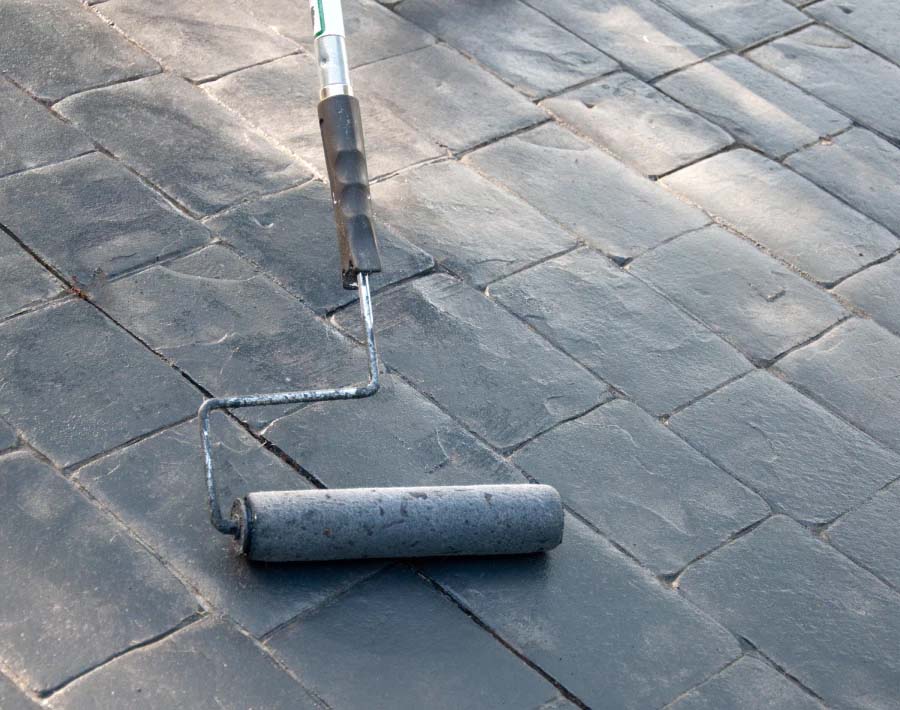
645	251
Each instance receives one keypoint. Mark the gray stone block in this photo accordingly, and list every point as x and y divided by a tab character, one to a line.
280	99
621	329
851	369
23	281
873	23
750	684
232	330
652	644
638	124
74	588
588	192
827	622
519	44
876	290
90	218
31	135
76	385
845	75
860	168
445	97
12	698
60	47
805	461
786	213
739	23
210	664
480	364
645	37
471	227
748	298
156	487
755	106
413	648
8	437
641	485
189	145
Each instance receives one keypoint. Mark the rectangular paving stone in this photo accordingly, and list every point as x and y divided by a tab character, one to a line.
845	75
60	47
74	384
280	99
90	218
638	124
646	38
519	44
23	281
621	329
189	145
739	23
853	370
876	291
412	648
471	227
31	135
75	589
873	23
826	621
210	664
292	236
620	640
476	361
232	330
199	40
803	460
12	698
399	439
640	484
757	107
8	437
156	488
446	97
748	298
784	212
860	168
587	191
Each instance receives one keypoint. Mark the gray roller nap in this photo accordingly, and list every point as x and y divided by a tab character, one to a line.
357	523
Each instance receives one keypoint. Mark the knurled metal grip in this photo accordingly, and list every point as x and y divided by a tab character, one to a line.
345	157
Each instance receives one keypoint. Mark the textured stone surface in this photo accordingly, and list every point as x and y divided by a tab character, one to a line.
454	658
8	436
638	124
641	485
471	227
621	329
232	329
740	22
744	295
446	97
749	684
74	588
805	461
189	145
75	385
784	212
876	290
280	99
58	47
874	23
845	75
399	439
30	135
91	218
858	167
210	664
755	106
478	362
199	40
292	236
853	370
642	35
23	281
518	43
11	698
653	645
826	621
590	193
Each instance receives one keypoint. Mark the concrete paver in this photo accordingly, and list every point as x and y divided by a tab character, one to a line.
876	291
23	281
12	698
873	23
739	23
8	437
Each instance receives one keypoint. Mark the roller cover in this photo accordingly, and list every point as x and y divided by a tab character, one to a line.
358	523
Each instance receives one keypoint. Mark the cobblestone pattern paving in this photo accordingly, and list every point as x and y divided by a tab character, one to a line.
643	250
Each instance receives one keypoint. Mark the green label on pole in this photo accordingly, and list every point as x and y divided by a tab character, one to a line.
318	16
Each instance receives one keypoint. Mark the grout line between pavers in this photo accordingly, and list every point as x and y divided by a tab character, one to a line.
783	671
269	60
711	676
